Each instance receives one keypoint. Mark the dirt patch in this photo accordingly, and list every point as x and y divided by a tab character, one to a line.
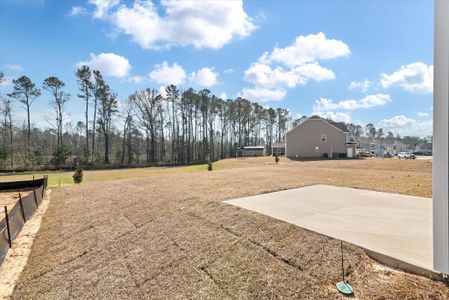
172	237
9	199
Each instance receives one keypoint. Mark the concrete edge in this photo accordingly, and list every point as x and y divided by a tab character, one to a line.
405	266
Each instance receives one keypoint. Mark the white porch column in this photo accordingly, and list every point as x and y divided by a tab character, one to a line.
441	138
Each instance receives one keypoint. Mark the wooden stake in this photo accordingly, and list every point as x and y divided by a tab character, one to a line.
7	227
22	209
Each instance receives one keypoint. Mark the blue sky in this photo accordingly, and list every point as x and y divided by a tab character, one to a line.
359	61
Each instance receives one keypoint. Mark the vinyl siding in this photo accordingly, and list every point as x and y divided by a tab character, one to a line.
302	140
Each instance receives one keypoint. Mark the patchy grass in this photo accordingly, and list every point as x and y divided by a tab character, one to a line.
91	176
172	237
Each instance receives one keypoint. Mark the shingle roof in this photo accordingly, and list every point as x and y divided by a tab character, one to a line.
340	126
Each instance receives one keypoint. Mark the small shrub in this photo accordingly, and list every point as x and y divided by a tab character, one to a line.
209	165
276	159
78	176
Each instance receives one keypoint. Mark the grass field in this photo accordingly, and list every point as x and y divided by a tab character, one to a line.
64	178
171	236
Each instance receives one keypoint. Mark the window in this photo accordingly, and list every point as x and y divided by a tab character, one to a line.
317	148
324	137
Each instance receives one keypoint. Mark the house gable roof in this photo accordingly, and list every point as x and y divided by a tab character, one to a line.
339	126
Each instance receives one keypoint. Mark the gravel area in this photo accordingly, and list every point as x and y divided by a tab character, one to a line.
172	237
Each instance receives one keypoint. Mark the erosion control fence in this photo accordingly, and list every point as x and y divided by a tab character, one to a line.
22	211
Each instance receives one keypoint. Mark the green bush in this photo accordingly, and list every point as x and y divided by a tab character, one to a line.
78	176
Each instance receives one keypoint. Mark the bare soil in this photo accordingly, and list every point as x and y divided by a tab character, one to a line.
9	199
172	237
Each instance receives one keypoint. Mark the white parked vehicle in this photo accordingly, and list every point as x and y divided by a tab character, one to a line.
406	155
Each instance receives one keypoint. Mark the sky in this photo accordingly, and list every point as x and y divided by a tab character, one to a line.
353	61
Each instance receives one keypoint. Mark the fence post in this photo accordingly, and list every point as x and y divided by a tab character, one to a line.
35	198
43	186
22	209
7	227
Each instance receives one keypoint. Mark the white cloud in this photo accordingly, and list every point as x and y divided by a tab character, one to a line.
422	114
109	64
397	121
314	71
229	71
103	7
203	24
263	94
334	116
416	77
77	11
369	101
204	77
162	91
7	81
294	65
265	78
263	75
407	126
165	74
14	67
135	79
223	96
306	49
360	85
340	111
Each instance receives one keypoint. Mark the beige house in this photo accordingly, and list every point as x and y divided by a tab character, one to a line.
317	137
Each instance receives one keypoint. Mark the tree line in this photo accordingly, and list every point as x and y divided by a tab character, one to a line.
149	127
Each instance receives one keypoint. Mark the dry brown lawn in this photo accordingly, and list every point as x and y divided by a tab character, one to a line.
172	237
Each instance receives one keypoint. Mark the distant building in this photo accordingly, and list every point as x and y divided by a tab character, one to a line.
396	146
317	137
250	151
278	149
371	146
382	148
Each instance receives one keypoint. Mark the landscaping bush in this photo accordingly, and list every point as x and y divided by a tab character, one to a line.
276	158
78	176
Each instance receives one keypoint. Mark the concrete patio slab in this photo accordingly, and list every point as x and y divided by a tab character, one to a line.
397	226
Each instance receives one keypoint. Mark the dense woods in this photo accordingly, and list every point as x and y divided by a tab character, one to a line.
177	126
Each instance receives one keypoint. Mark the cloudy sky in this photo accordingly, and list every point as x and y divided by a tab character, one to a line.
364	62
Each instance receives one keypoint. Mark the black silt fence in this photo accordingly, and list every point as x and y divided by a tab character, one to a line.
21	212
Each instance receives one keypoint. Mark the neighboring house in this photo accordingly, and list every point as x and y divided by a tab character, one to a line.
425	149
278	149
249	151
317	137
395	147
375	147
371	146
